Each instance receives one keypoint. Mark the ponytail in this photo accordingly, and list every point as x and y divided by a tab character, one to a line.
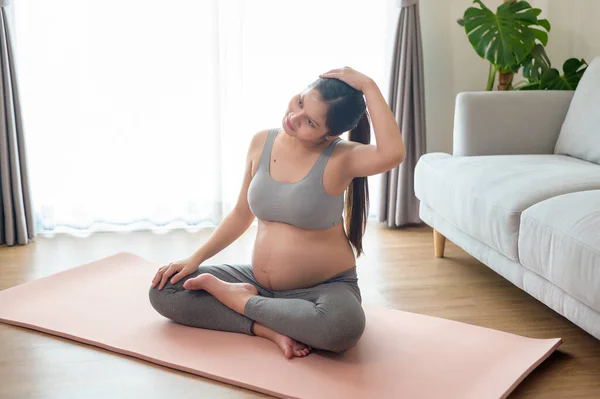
356	206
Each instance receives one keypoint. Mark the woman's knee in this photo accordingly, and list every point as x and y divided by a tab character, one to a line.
161	299
164	296
167	301
343	331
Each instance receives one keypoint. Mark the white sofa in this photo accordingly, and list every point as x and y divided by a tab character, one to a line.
521	192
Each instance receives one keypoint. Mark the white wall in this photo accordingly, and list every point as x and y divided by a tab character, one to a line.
452	66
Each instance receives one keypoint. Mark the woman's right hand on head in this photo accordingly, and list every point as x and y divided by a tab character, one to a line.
176	270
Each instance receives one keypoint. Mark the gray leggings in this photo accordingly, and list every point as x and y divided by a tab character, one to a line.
327	316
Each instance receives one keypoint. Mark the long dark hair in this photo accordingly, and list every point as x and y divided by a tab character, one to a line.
347	111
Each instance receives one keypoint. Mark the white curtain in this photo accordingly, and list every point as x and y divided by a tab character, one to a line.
138	113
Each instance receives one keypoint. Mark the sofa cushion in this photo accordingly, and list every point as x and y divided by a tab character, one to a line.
559	240
580	133
485	195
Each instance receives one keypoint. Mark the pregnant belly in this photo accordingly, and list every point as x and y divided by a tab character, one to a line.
286	257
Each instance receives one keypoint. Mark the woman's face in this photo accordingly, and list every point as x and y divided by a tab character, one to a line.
305	116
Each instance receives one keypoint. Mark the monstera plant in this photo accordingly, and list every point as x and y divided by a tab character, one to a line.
513	39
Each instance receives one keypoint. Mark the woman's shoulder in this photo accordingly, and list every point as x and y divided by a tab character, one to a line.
258	142
343	152
345	146
259	139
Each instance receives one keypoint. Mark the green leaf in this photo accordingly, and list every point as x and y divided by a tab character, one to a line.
572	65
536	63
551	79
544	23
573	71
531	86
481	4
541	36
504	38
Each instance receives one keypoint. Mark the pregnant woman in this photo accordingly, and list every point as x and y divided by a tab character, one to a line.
308	189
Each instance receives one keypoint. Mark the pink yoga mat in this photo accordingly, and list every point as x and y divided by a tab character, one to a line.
401	355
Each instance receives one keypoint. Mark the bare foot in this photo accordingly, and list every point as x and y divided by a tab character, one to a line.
289	347
232	295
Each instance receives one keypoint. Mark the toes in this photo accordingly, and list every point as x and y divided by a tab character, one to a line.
189	284
302	352
195	283
287	351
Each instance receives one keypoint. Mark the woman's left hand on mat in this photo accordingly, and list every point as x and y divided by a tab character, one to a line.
348	75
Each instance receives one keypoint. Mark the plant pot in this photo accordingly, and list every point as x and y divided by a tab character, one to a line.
505	80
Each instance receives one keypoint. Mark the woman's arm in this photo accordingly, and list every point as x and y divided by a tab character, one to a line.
239	219
366	160
389	151
229	230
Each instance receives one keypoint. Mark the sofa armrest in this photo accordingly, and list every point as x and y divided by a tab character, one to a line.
503	123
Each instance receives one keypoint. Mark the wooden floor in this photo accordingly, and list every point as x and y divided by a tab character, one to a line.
399	270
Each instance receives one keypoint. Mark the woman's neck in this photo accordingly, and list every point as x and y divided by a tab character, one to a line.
303	145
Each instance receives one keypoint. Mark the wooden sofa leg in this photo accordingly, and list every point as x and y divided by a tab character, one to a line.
439	242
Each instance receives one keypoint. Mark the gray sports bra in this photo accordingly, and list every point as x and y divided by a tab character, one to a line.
303	204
